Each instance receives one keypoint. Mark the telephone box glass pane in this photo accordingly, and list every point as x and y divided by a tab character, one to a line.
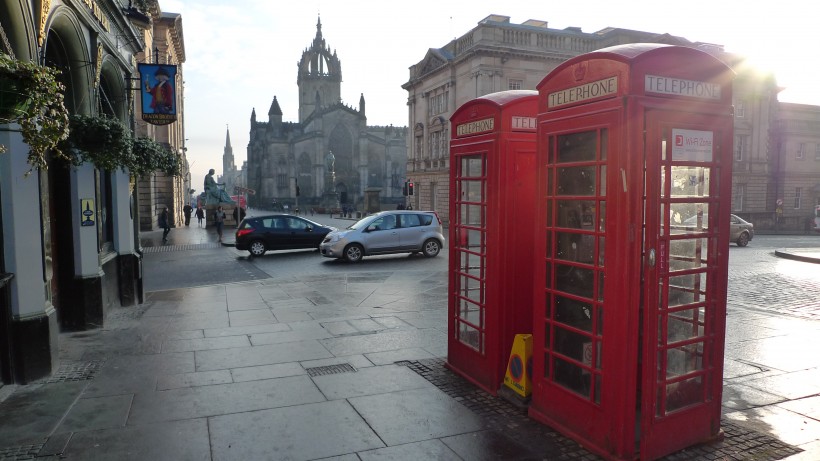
472	215
688	217
684	393
572	377
687	289
471	191
576	214
604	145
574	280
577	180
470	337
684	359
688	254
601	216
577	147
471	288
690	181
471	313
572	345
570	246
471	264
472	167
685	325
473	239
574	313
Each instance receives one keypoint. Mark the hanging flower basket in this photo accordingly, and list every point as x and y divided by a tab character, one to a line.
151	156
103	141
33	96
13	102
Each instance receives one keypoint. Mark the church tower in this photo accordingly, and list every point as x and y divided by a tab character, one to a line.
320	76
228	166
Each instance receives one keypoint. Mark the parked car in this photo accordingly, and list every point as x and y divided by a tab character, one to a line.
740	231
259	234
387	232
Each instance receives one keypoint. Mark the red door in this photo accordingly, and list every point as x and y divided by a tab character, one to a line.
686	244
585	353
468	352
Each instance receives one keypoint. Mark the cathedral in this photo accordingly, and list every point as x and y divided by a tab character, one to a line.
331	157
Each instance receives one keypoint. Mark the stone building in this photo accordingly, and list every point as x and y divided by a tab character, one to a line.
796	176
164	44
283	155
497	55
57	273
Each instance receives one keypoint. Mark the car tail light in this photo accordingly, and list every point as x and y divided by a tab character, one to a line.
439	219
241	232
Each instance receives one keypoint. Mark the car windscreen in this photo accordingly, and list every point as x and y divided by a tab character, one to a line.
361	224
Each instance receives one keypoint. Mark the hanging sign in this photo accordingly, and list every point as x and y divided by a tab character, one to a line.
158	90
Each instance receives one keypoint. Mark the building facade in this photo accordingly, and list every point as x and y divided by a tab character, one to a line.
284	156
497	55
797	174
60	272
164	44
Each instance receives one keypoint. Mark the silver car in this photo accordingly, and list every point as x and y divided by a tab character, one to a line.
388	232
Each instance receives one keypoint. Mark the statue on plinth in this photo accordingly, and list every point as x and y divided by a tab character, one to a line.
330	198
214	195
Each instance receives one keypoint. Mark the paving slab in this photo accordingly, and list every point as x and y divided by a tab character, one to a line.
237	357
31	414
97	413
172	441
425	414
198	402
369	381
428	449
302	432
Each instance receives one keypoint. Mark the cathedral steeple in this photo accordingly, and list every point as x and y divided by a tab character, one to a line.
319	71
228	165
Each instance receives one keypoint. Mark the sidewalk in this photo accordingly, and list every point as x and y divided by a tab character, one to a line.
347	367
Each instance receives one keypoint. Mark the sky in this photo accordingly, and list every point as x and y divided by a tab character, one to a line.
242	53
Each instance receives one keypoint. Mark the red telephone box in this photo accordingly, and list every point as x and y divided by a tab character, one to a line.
633	195
492	194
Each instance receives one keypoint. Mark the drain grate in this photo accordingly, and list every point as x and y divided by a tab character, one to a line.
183	247
20	452
330	369
130	313
74	371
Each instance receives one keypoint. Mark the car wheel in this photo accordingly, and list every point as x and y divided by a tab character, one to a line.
743	240
354	252
431	248
257	248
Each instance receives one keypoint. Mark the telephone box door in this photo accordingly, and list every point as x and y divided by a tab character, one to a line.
585	336
468	343
686	202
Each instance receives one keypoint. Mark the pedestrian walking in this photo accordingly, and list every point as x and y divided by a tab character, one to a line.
187	210
219	219
200	214
164	224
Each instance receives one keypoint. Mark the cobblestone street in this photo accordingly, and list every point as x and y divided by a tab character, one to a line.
758	280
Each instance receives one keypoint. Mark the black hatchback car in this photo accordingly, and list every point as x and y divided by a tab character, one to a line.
259	234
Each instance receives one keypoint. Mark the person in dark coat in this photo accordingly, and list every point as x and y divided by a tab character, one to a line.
164	224
187	210
200	215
